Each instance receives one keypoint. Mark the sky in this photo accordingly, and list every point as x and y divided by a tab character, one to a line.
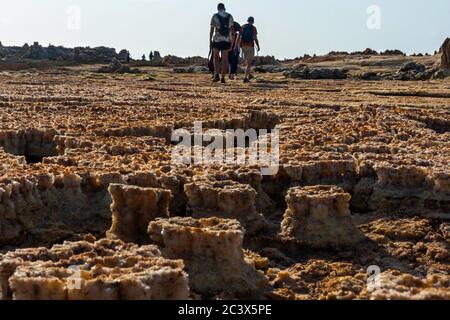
287	28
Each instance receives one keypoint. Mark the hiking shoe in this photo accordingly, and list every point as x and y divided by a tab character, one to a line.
216	78
223	80
246	80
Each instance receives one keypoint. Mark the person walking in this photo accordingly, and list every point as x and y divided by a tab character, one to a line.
248	38
221	39
235	52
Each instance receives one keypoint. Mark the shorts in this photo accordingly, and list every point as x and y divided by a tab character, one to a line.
222	46
249	53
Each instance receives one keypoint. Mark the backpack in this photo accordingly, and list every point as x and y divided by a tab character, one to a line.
237	27
248	33
211	66
224	29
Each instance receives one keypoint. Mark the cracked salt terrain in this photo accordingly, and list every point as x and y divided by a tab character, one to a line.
86	180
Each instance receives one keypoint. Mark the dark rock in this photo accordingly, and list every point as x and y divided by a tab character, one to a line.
445	51
117	67
93	55
370	76
36	51
441	74
59	53
157	56
367	52
123	55
265	60
297	74
338	53
270	69
170	60
316	74
414	71
412	66
393	53
306	57
191	69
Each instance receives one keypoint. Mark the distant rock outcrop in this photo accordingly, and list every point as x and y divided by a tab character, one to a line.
412	66
338	53
316	74
394	52
123	55
368	52
414	71
189	61
265	60
58	53
157	56
36	51
95	55
445	51
410	71
117	67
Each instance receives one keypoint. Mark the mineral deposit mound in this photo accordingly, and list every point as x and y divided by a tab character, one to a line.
93	205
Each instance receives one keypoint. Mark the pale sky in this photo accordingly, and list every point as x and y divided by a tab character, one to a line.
287	28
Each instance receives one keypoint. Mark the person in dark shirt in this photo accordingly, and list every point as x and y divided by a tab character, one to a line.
235	52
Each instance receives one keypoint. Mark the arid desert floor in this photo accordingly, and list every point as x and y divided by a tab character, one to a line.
92	205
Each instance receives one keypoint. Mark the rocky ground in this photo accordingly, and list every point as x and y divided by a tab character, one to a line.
87	180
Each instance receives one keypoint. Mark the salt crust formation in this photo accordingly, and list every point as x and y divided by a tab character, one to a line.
395	285
320	216
323	280
46	207
132	210
212	250
103	270
225	199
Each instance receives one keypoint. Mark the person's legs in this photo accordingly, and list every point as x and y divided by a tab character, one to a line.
248	68
216	63
234	63
249	55
224	63
231	63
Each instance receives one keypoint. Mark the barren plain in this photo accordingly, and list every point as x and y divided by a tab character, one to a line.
86	180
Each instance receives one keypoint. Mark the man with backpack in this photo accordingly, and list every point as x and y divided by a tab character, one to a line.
248	37
221	39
